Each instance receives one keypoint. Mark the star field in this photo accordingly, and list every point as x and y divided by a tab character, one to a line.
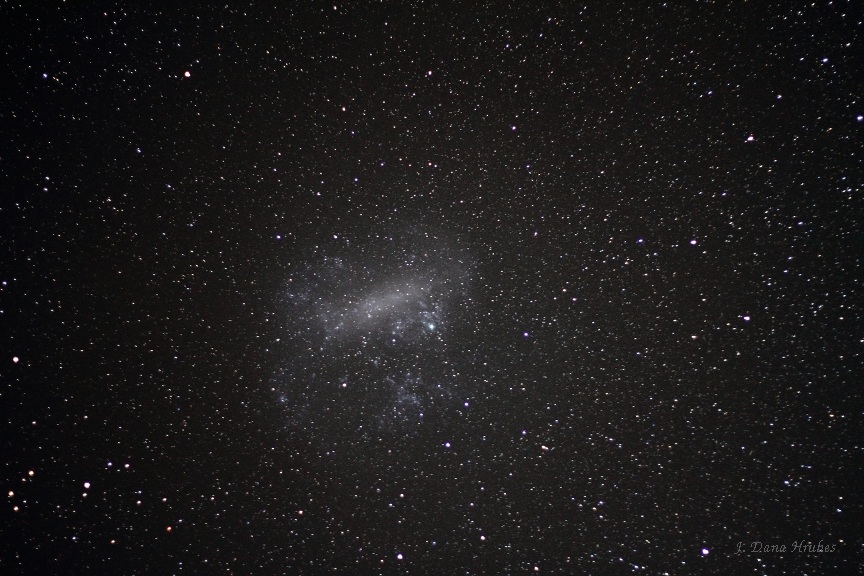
427	288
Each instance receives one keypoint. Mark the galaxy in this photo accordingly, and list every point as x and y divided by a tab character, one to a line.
369	348
416	287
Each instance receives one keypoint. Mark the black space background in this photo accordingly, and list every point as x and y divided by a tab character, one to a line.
149	223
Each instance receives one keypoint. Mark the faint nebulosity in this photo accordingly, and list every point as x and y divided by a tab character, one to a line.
430	288
369	343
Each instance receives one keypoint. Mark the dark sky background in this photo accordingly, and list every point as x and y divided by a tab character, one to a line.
431	288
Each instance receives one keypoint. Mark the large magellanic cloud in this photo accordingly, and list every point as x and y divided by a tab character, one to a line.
366	338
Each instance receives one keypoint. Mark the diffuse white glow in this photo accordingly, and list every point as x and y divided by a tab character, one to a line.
382	325
399	307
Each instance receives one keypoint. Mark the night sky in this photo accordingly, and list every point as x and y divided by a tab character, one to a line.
425	288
